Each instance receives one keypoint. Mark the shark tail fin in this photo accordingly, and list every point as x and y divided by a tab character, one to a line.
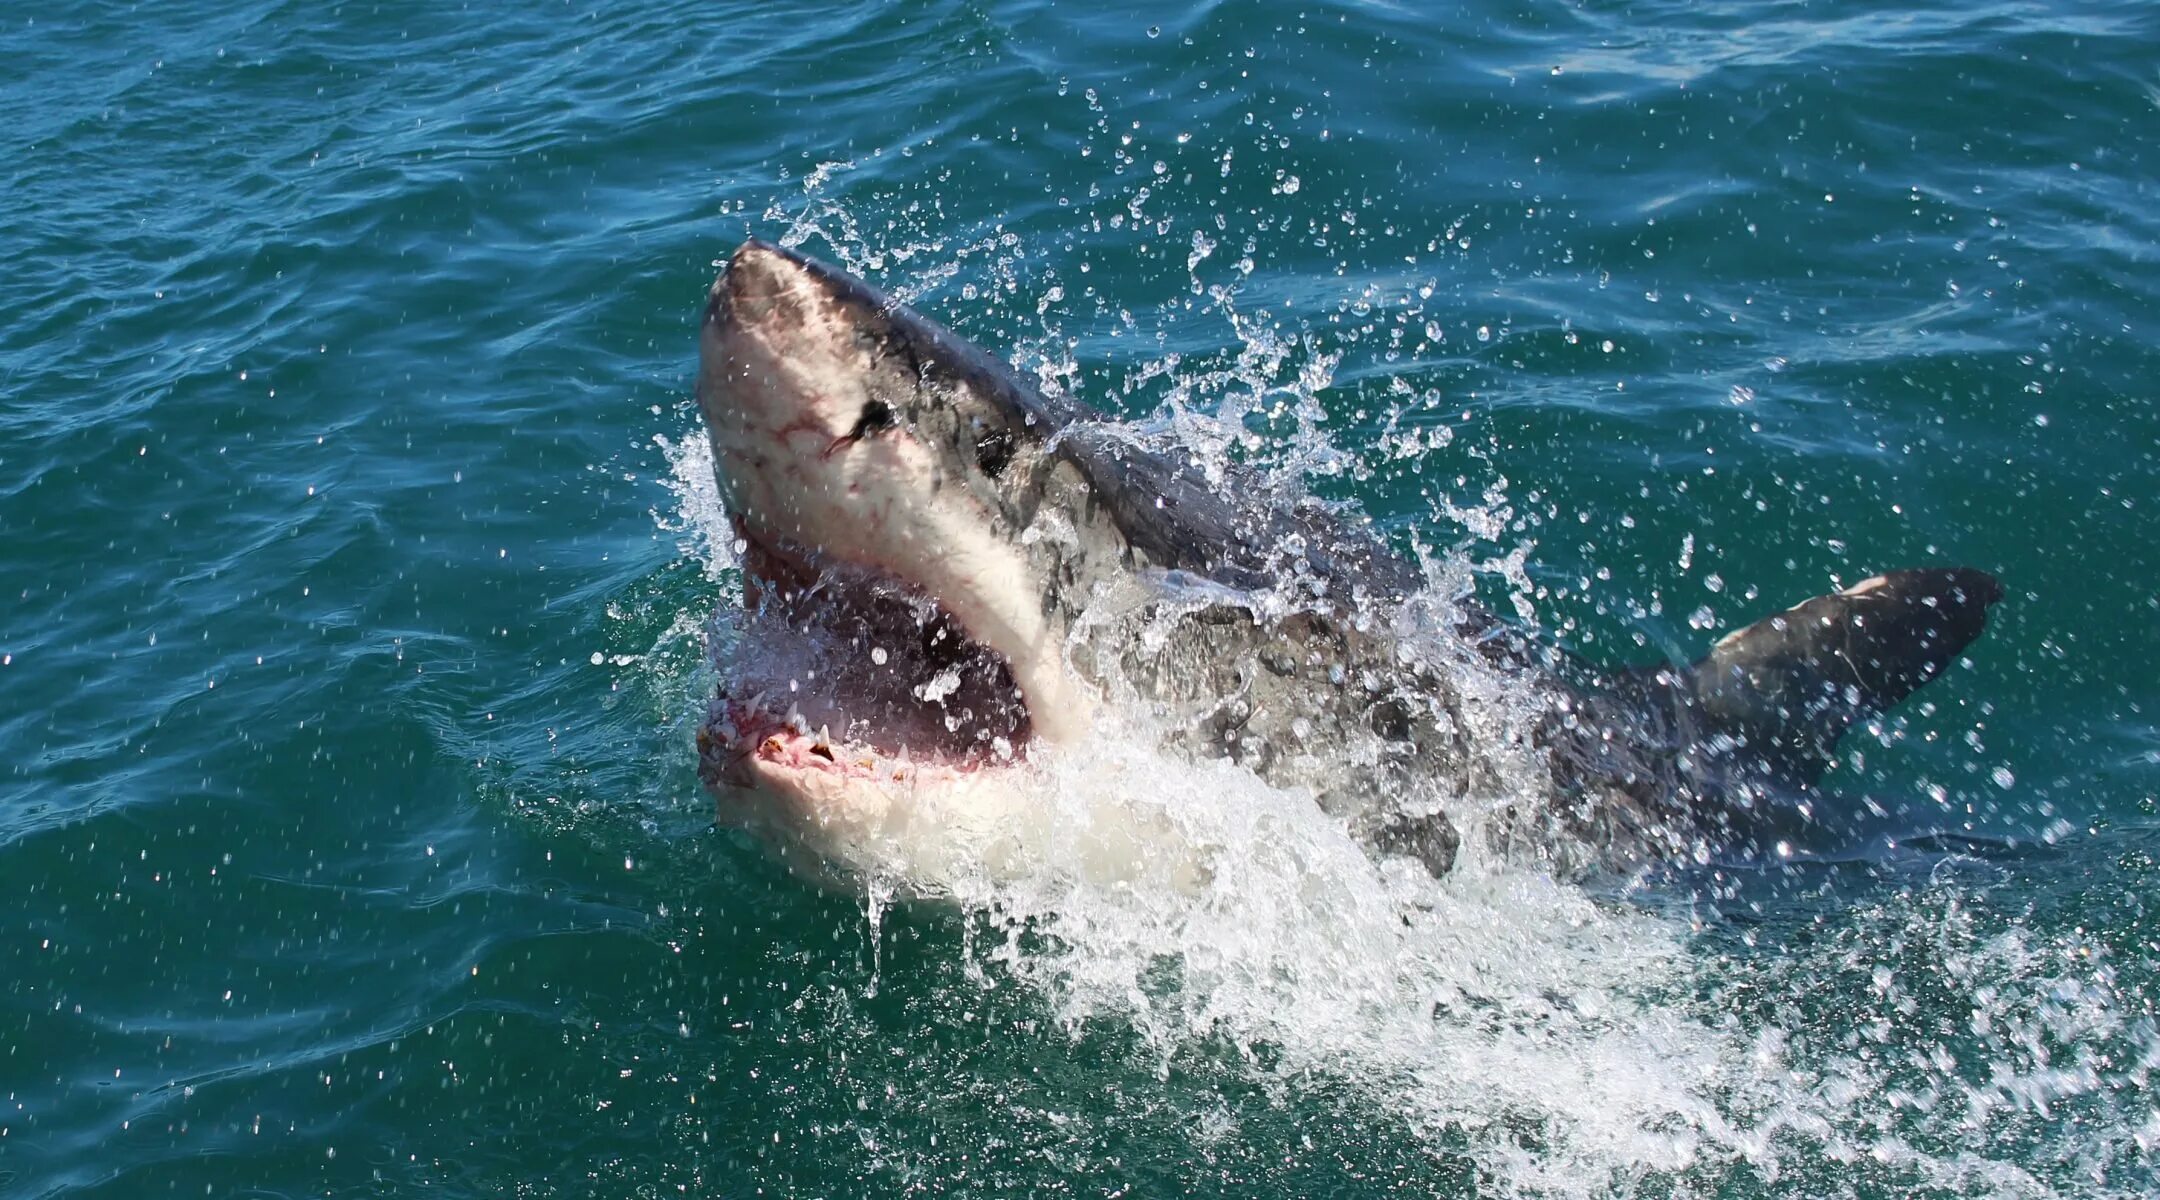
1783	690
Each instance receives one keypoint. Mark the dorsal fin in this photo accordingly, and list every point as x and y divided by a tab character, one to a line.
1782	691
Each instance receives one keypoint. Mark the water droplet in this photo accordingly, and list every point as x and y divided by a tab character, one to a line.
2003	778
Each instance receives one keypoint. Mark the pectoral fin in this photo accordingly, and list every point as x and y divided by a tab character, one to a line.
1783	690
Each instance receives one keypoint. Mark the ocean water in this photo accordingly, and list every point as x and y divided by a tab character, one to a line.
357	551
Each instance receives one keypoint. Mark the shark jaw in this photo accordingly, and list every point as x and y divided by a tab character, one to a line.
898	654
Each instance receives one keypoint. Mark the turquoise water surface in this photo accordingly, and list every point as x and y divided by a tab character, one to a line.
357	550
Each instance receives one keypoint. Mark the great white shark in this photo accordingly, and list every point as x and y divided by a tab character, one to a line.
950	573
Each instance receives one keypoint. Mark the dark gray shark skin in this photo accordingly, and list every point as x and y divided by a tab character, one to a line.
1271	630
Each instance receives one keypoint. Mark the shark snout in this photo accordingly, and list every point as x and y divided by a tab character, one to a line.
765	279
759	283
777	351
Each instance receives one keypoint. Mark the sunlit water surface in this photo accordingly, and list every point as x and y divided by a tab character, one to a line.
361	553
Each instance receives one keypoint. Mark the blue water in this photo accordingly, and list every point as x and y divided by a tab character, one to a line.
356	567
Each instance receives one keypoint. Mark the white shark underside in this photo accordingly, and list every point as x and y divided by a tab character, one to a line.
951	575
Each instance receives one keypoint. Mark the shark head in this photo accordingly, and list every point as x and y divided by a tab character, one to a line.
939	560
916	548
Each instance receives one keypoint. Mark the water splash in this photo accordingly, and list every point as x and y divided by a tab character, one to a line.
1252	922
1565	1043
699	519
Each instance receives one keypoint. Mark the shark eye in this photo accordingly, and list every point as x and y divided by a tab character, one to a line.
877	417
994	451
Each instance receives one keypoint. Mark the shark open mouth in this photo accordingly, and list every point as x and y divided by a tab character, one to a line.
844	671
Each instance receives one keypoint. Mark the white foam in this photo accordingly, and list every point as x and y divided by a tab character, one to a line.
1486	998
1493	997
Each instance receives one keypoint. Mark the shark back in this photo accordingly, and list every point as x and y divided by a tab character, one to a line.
1233	528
